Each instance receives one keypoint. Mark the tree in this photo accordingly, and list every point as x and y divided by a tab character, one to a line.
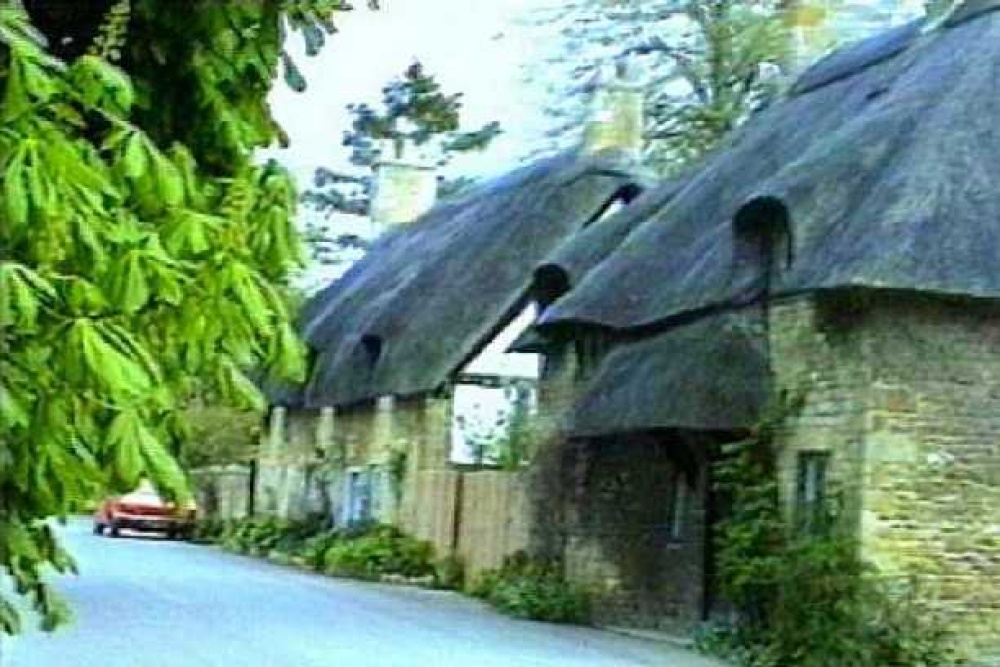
709	64
220	435
414	113
142	251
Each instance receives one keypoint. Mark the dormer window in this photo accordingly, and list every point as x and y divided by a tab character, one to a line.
550	283
762	247
624	196
373	349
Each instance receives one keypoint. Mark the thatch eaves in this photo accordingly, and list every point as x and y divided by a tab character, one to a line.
711	375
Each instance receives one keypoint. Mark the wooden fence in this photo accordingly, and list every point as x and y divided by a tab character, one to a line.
479	516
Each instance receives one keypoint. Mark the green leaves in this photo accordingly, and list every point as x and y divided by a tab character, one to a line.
106	359
191	234
145	273
22	294
155	180
15	191
31	80
138	451
132	277
101	85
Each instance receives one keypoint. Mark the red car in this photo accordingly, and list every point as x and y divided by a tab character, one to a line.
144	510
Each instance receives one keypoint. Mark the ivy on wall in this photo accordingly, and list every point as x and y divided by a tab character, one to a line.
803	594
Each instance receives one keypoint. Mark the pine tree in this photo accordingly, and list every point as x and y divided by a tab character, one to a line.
415	113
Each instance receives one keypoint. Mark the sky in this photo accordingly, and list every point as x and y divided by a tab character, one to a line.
472	46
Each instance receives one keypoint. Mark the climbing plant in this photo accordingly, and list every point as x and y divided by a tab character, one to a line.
142	250
805	597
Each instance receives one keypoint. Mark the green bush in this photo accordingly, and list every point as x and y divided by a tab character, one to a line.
449	573
368	551
383	551
527	588
209	530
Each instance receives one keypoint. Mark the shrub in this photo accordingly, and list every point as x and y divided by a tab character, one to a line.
527	588
209	530
449	573
382	551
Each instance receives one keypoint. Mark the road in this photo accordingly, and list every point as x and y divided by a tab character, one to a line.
146	602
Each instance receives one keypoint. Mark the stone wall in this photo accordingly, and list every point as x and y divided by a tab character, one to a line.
480	516
307	455
222	492
904	391
818	355
290	480
605	507
626	539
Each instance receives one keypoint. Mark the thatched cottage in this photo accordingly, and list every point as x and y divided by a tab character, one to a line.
840	249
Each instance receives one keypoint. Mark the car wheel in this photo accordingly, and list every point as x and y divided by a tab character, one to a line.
98	528
114	530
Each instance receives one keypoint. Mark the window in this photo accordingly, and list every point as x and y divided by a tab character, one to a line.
358	504
591	348
622	198
678	506
550	282
810	491
762	247
373	348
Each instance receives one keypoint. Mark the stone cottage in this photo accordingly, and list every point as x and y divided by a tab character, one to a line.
840	249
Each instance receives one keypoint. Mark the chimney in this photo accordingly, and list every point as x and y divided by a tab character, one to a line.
405	185
809	32
817	26
616	120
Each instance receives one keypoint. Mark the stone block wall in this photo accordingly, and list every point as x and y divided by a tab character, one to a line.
904	391
644	558
222	492
818	357
307	455
932	474
479	515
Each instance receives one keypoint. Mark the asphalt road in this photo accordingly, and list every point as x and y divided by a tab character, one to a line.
146	602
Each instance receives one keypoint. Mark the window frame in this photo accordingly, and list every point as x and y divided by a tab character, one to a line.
812	475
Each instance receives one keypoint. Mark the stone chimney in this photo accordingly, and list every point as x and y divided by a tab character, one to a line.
810	33
616	120
405	185
817	26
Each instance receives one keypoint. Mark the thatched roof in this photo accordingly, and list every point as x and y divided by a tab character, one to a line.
430	295
711	375
883	161
583	251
